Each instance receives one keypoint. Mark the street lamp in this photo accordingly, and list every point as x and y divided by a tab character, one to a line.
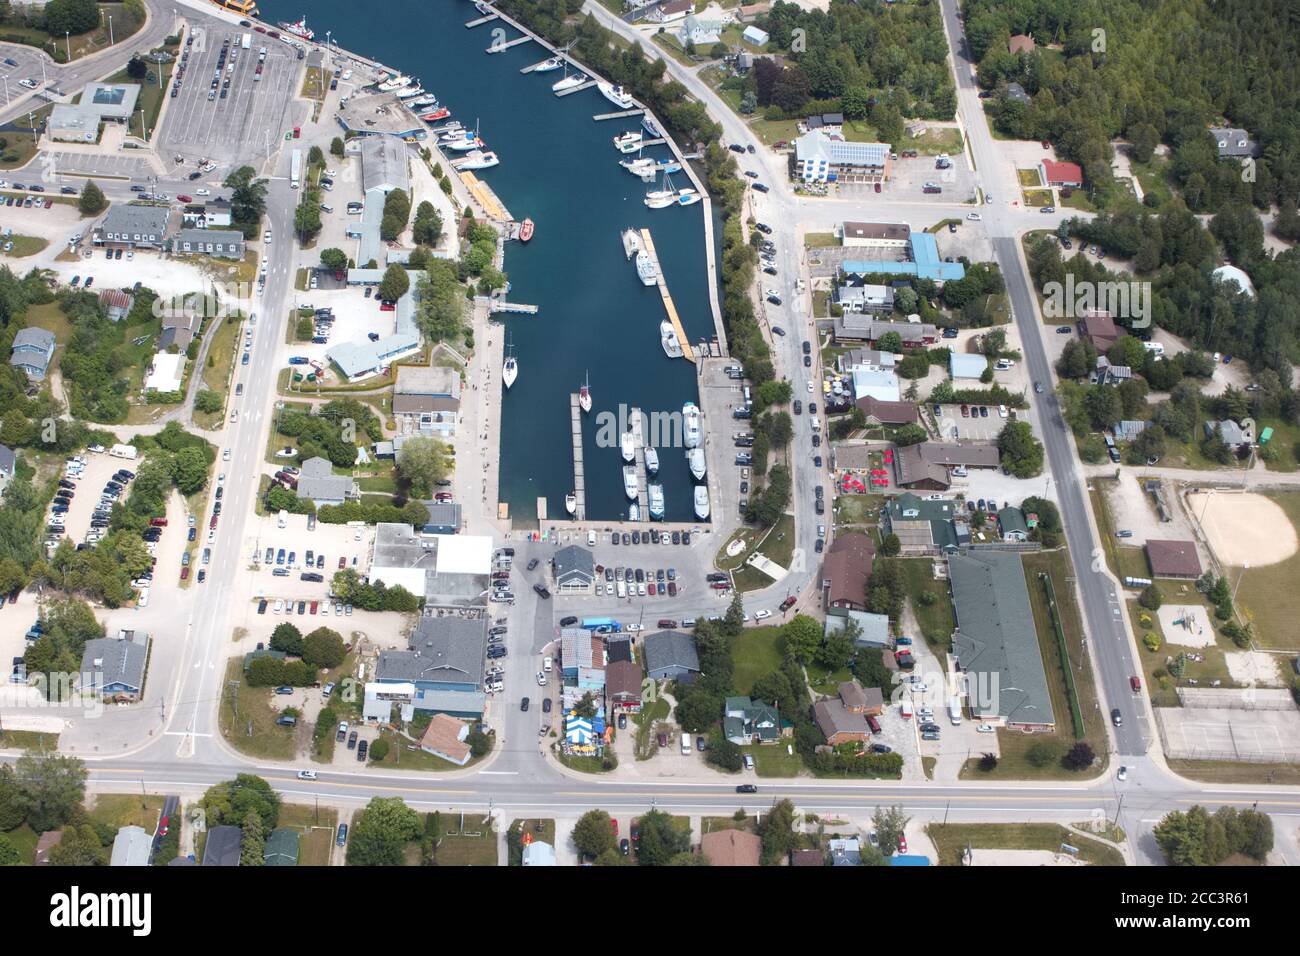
67	36
110	29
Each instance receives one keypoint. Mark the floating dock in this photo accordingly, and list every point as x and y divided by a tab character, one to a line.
609	116
638	443
502	47
579	471
585	86
518	308
482	20
648	244
493	208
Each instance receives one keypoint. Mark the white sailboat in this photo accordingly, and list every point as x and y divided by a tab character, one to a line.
668	339
655	493
631	242
641	166
584	395
569	81
646	268
571	503
691	425
662	198
651	461
630	482
695	461
702	502
510	370
554	63
627	446
616	95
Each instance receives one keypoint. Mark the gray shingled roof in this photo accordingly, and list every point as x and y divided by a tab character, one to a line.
121	662
443	650
319	482
666	649
572	562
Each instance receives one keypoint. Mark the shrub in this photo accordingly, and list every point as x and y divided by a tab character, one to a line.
1151	641
1043	754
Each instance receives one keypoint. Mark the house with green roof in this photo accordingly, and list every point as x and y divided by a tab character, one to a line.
1012	524
281	848
924	525
748	721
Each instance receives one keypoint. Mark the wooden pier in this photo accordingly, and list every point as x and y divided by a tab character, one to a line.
482	20
502	47
576	89
579	471
610	116
648	244
638	444
493	208
518	308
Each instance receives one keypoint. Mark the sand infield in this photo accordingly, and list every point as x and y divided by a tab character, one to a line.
1244	528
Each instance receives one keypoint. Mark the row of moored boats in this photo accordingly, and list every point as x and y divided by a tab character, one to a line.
692	438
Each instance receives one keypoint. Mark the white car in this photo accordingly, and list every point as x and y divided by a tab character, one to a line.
306	774
203	192
810	386
1123	774
762	615
279	606
541	679
986	728
974	216
547	663
225	454
266	236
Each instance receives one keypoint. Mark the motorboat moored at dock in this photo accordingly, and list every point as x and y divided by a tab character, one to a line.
630	482
668	338
478	159
394	82
425	99
702	502
554	63
631	242
641	166
411	92
584	395
628	142
646	269
299	29
634	512
433	116
616	95
651	461
526	228
691	425
571	503
655	492
695	461
627	446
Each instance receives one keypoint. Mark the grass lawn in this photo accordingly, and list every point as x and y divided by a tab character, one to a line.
1285	439
216	372
468	850
1038	197
24	246
777	546
1161	688
772	760
17	147
1028	178
713	824
951	840
754	654
773	131
1152	176
820	240
1268	594
936	620
399	757
316	828
119	810
24	841
860	131
935	140
824	681
244	709
1077	199
645	722
313	85
1226	771
28	740
670	45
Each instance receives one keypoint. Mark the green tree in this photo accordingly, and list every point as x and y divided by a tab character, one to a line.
397	210
208	401
228	803
92	201
593	834
394	284
379	750
8	853
1022	453
136	68
71	16
335	260
724	754
423	461
315	157
247	196
252	846
287	638
776	830
662	843
80	846
51	788
379	837
889	824
323	647
1151	597
336	147
427	228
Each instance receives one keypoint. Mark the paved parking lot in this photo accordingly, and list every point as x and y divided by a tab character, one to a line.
1230	733
331	540
99	164
254	112
18	62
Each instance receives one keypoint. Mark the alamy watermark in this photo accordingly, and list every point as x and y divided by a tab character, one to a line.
1078	299
658	429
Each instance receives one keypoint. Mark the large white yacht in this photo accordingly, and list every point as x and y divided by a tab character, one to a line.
631	242
646	269
651	461
630	482
616	95
695	461
656	496
668	338
627	446
691	425
702	502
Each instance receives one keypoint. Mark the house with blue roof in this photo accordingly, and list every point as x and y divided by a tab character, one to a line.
926	263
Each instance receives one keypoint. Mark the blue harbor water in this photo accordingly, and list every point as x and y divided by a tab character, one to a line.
558	167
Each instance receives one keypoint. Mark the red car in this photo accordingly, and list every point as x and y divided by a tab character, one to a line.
184	198
158	522
314	606
902	843
162	827
1135	683
965	412
672	589
443	496
387	305
650	589
788	603
615	822
185	573
213	522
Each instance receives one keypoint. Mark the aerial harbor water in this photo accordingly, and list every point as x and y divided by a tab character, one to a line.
559	168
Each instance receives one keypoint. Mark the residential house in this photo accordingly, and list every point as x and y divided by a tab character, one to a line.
699	32
318	482
843	719
877	383
116	303
1017	93
749	721
1060	174
754	36
444	517
832	124
924	262
1012	525
166	372
538	853
582	662
33	349
113	666
1235	436
1233	143
880	412
222	846
1099	328
845	852
1108	374
671	12
179	330
731	848
865	328
846	570
129	226
995	644
574	569
807	858
860	356
928	464
445	737
223	243
670	655
1129	429
131	847
1173	559
426	400
819	158
922	525
623	686
281	848
444	660
857	295
873	629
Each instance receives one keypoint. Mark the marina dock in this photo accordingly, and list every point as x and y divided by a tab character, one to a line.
493	208
517	308
648	244
610	116
638	443
482	20
502	47
579	473
575	89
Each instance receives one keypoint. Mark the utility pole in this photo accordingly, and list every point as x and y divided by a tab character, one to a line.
67	36
110	29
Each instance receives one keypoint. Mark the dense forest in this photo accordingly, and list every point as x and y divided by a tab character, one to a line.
1151	72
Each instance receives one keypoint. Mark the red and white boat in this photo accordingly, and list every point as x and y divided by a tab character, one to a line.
440	113
299	29
526	230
